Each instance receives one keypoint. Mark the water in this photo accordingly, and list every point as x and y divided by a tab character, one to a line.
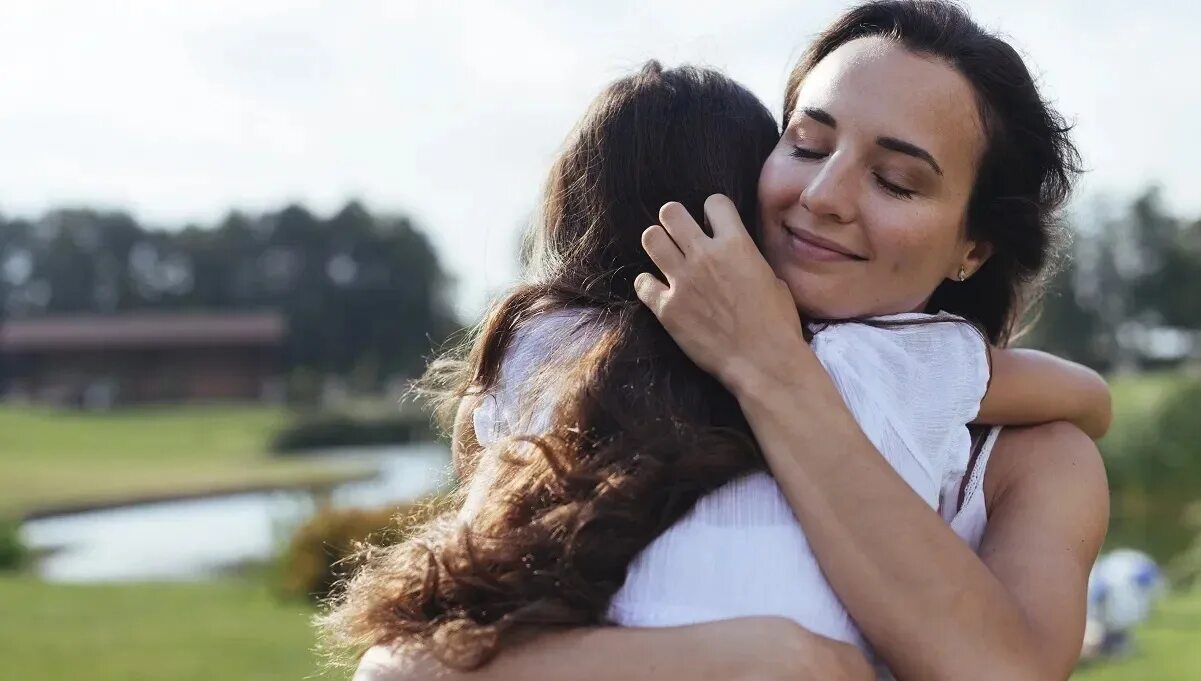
195	538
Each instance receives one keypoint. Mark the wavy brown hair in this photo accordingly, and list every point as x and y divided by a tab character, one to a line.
638	432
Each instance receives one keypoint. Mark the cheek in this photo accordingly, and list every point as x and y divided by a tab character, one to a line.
914	248
780	182
900	248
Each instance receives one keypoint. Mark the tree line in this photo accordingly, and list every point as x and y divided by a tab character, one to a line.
364	295
1128	296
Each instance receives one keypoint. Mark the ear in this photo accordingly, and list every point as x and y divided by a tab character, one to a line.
975	254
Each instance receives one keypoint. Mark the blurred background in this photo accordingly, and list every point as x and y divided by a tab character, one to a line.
232	232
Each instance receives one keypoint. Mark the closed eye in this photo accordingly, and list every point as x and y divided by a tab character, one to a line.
895	190
806	154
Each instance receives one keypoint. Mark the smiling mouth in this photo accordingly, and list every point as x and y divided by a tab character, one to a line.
812	246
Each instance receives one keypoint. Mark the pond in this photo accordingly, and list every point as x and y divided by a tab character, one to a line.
197	538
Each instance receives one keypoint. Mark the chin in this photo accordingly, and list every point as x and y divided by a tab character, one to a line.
819	298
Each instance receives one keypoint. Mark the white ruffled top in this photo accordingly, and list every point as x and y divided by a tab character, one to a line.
740	551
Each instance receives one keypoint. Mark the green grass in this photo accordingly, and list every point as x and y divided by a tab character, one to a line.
227	630
50	458
238	631
1167	647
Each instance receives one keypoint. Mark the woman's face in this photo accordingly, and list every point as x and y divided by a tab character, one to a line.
863	200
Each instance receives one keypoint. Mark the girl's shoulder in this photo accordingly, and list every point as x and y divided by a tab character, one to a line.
556	326
944	337
926	374
540	343
557	334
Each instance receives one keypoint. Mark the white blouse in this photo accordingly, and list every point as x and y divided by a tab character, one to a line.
740	551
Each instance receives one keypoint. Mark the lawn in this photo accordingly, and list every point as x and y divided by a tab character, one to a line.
52	458
228	630
1167	647
238	631
234	629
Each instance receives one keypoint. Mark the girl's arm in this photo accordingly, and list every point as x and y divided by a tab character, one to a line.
1029	387
745	649
931	608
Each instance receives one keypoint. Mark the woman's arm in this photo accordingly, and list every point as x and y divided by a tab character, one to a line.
750	649
932	609
1030	387
1048	507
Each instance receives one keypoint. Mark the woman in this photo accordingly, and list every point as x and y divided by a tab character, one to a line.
909	134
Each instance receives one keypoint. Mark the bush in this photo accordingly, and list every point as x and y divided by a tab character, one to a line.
1153	459
343	430
321	551
303	387
13	552
1185	569
1163	447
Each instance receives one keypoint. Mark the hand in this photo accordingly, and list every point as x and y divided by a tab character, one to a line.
722	303
770	648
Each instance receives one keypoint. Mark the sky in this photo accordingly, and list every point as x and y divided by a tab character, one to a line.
451	112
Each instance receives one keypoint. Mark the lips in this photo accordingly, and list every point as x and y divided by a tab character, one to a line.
813	247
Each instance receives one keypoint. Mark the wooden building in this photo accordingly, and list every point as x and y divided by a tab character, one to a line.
98	361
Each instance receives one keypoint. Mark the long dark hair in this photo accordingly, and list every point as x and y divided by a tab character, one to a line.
638	433
1029	163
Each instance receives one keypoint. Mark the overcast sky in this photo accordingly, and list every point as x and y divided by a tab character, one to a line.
451	112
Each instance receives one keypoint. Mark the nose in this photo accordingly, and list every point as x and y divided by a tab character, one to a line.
831	192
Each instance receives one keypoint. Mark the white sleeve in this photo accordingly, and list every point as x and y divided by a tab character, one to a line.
913	388
512	407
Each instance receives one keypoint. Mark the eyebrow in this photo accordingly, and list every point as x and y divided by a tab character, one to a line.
903	147
891	143
821	116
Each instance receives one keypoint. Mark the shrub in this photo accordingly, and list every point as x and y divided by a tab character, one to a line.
1153	459
342	430
1185	569
321	551
1163	446
13	552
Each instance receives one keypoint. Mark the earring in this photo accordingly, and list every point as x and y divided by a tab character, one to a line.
962	273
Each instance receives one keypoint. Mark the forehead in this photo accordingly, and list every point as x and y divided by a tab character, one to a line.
877	87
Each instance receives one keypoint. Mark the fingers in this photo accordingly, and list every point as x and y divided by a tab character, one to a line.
662	250
722	215
651	291
676	219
